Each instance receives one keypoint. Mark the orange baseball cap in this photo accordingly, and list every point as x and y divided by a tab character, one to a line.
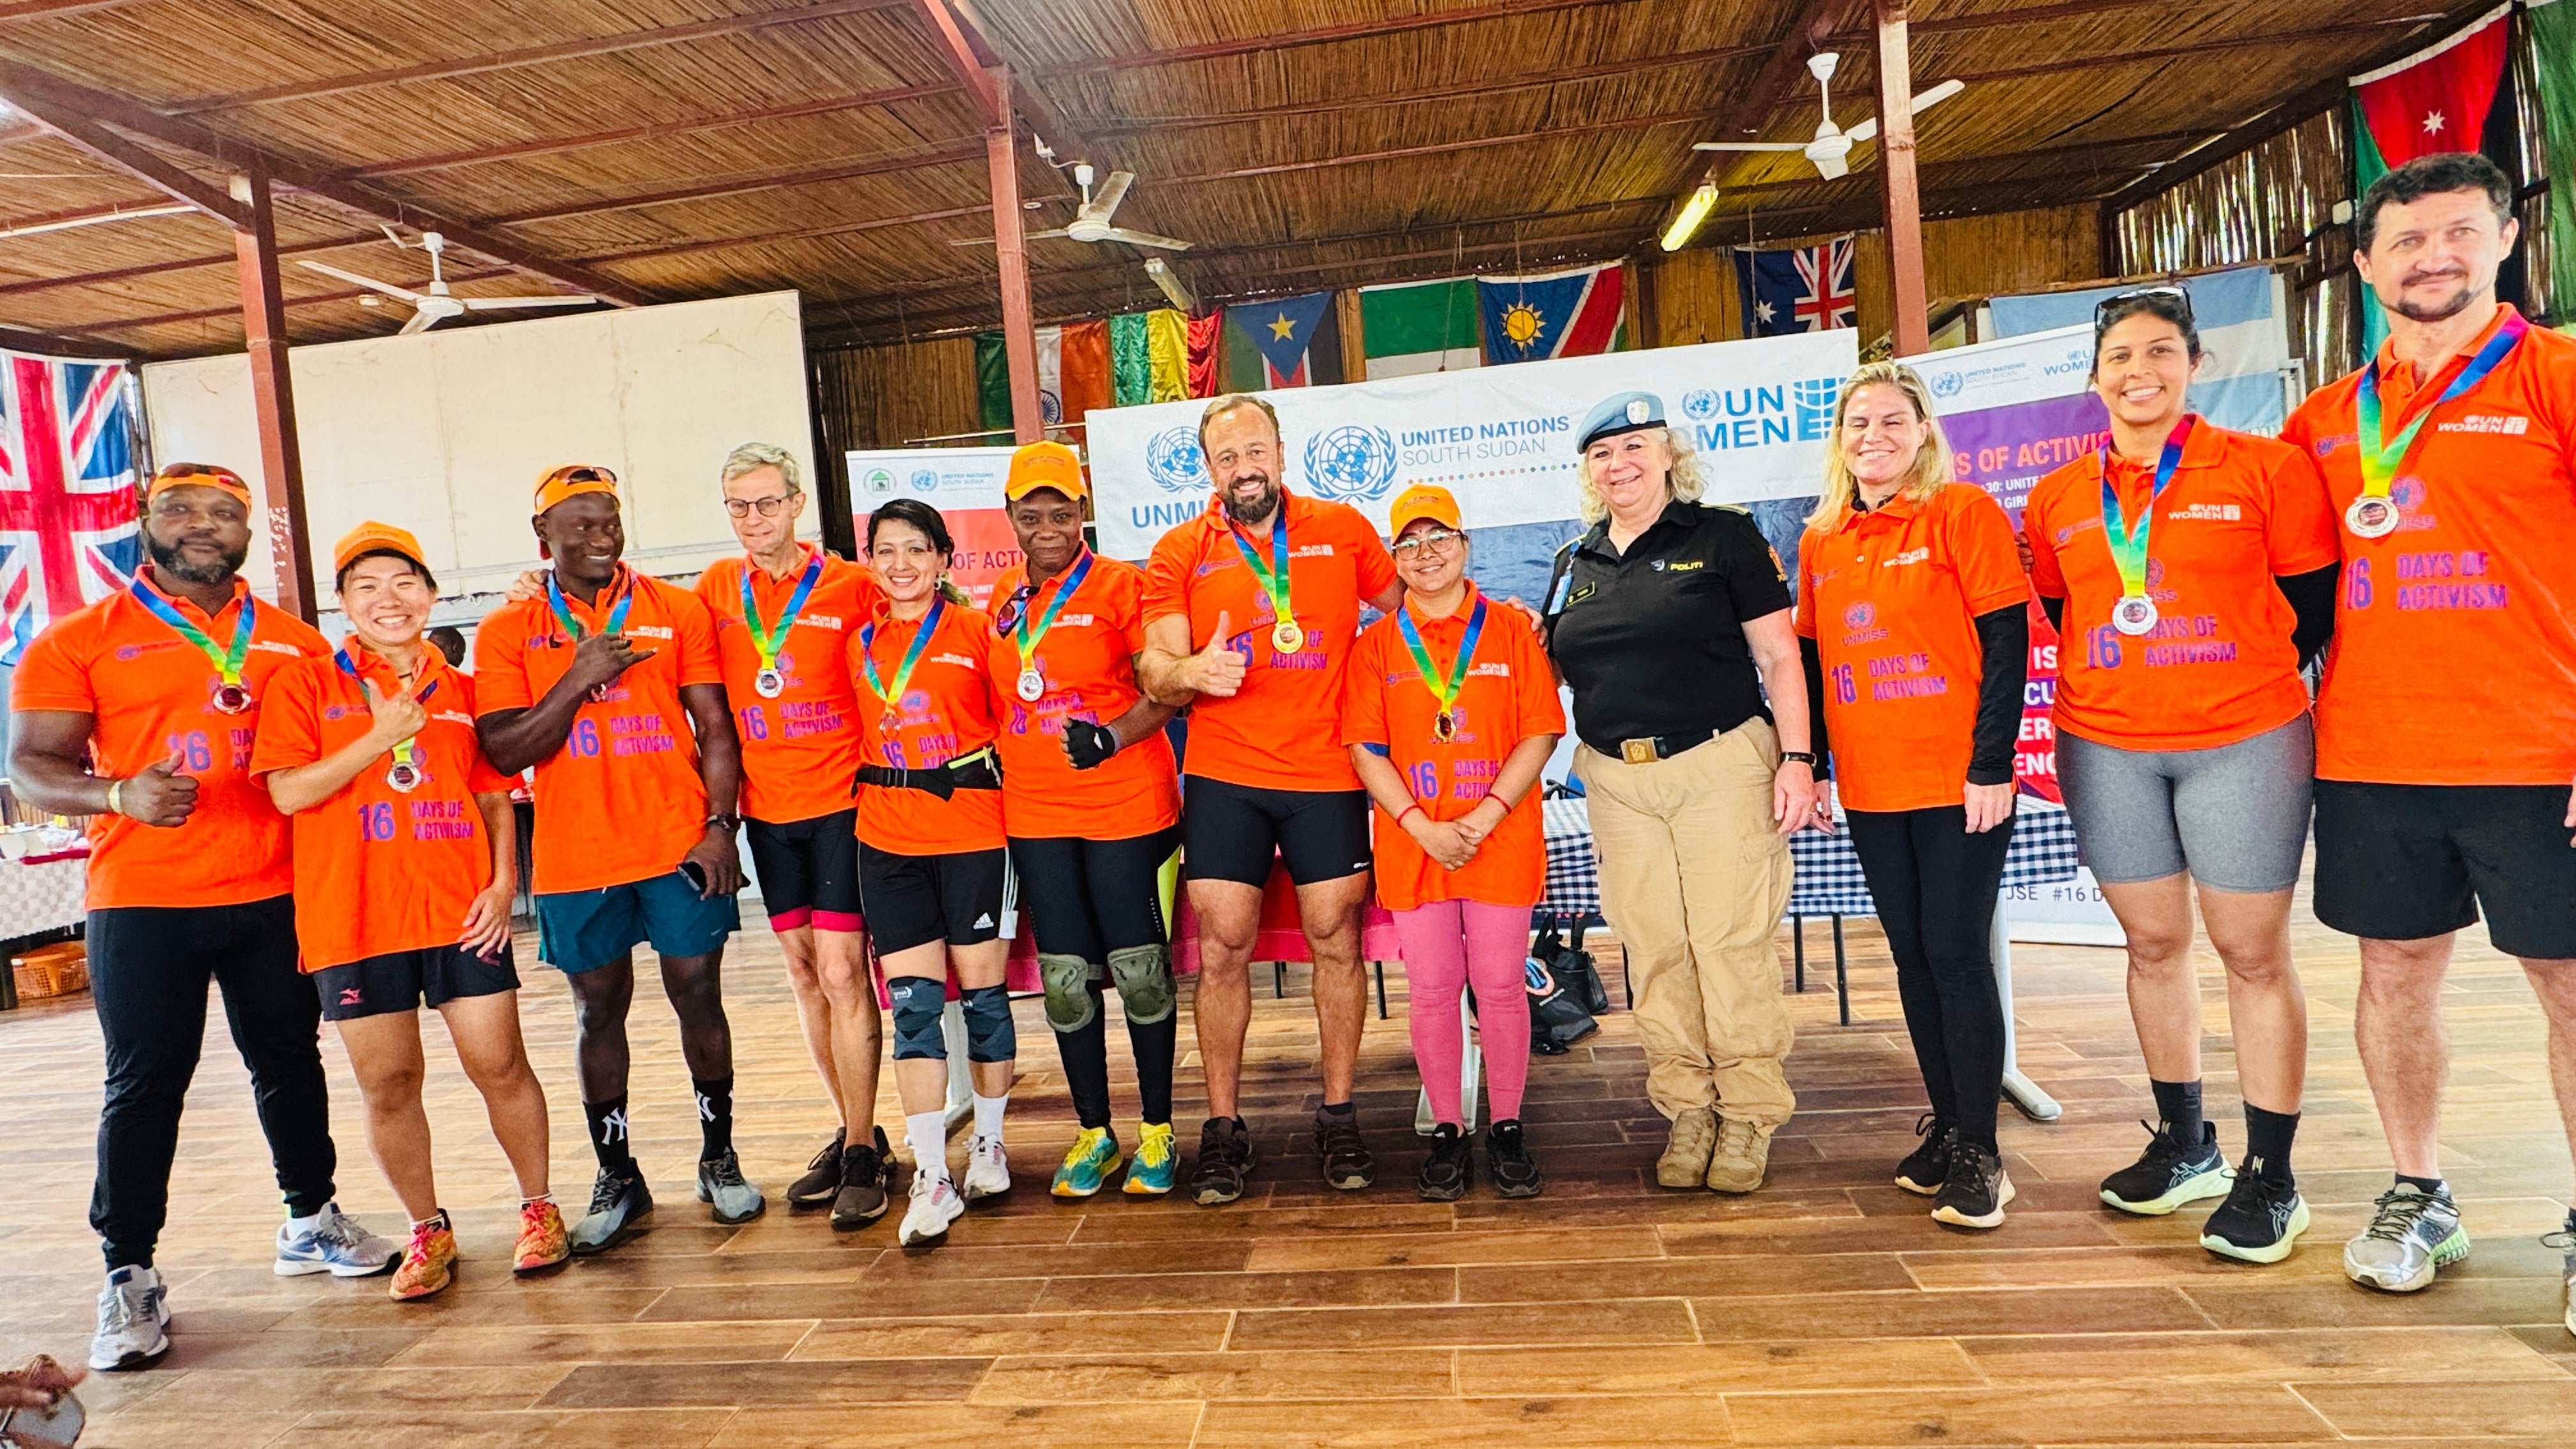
372	537
1045	465
571	481
1423	500
200	475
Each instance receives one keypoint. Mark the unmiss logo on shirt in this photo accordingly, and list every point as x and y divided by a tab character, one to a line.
1859	615
1173	460
1350	462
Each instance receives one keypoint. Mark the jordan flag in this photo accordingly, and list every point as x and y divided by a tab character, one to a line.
2457	95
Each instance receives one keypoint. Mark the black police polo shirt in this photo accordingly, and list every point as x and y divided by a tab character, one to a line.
1652	641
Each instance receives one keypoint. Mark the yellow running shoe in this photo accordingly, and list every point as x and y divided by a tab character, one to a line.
1155	1167
542	1240
1087	1164
428	1265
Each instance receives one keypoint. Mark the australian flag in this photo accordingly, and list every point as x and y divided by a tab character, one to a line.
67	491
1797	289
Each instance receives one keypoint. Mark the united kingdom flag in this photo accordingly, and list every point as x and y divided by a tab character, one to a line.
1800	289
67	511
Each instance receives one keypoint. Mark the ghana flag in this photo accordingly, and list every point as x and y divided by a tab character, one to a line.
2457	95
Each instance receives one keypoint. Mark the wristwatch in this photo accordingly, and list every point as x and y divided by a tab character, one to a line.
731	823
1804	757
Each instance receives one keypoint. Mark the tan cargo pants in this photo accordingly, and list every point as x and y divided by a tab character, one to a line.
1694	878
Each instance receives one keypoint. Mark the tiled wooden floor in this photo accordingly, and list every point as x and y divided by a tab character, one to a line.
1825	1310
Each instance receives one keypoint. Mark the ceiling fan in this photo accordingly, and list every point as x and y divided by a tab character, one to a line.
430	308
1091	219
1830	151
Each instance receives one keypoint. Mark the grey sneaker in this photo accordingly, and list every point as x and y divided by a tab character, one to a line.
722	1189
132	1312
2413	1235
2565	1241
336	1245
619	1206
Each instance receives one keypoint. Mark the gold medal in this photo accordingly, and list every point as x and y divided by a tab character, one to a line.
1287	638
1444	726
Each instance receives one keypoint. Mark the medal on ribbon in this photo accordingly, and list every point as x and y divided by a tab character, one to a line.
2375	513
890	694
1444	688
770	683
2135	613
1285	637
405	773
1029	633
231	696
572	626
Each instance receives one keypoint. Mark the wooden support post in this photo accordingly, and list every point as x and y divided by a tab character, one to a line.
1010	251
272	390
1911	330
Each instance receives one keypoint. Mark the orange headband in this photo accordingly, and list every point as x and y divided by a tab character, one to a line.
198	475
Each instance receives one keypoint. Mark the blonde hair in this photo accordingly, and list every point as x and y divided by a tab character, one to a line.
752	457
1931	461
1682	477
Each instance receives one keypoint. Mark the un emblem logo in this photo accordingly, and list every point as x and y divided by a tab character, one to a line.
1699	404
924	481
1350	462
1859	615
1172	457
1948	384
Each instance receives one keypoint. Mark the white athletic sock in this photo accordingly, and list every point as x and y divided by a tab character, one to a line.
928	1132
297	1227
988	1115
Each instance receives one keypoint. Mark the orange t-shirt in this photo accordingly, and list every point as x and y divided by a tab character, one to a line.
1510	695
2459	627
946	711
1088	659
2218	666
1281	730
621	801
800	750
1891	598
151	695
379	870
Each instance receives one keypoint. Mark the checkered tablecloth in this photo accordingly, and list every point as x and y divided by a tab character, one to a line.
39	898
1829	881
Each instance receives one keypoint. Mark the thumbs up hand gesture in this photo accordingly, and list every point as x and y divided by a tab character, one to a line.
1217	669
398	716
160	795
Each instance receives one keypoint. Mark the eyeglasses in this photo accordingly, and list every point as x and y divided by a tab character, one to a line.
2102	309
1437	540
770	507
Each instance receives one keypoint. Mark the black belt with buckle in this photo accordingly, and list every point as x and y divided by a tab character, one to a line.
1658	747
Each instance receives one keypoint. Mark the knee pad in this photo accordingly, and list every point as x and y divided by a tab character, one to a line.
990	1036
1070	1005
1144	977
917	1004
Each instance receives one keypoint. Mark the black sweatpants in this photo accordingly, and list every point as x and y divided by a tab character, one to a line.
148	971
1088	898
1935	887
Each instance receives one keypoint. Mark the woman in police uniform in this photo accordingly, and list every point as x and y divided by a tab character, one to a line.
1670	619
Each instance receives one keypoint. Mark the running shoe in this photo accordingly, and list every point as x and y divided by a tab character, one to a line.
821	1184
1450	1169
867	1184
543	1240
730	1199
2413	1235
1087	1164
2565	1241
935	1204
1928	1166
133	1309
1975	1190
336	1245
2260	1221
1225	1161
1347	1163
988	1169
1508	1161
1156	1166
1742	1157
2168	1174
429	1264
620	1206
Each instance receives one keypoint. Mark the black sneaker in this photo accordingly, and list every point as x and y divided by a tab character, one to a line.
1225	1160
1450	1169
1508	1161
1347	1163
1974	1193
867	1177
619	1206
1928	1166
822	1179
2168	1175
2260	1221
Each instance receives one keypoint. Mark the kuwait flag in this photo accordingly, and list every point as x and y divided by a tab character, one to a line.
1412	327
1286	342
1560	314
2455	96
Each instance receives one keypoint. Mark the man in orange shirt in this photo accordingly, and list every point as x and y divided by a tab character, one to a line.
1265	768
140	711
637	773
2446	727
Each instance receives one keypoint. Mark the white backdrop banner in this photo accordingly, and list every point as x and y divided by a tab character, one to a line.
964	484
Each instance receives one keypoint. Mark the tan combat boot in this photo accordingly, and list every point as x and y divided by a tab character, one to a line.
1743	1155
1685	1159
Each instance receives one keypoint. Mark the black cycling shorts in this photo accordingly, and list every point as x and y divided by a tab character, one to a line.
1087	898
2403	862
809	871
1230	832
913	900
407	980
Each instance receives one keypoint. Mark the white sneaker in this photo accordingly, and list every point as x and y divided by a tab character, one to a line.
337	1245
132	1312
988	1169
935	1204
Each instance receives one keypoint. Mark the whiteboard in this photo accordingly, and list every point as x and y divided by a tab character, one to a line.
445	433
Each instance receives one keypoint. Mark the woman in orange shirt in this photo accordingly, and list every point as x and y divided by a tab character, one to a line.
406	858
1450	711
931	851
1913	617
2191	573
1093	806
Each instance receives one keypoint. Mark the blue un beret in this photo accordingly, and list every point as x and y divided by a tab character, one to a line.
1624	412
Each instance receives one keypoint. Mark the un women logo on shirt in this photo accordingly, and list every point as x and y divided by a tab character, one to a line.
1173	460
1350	462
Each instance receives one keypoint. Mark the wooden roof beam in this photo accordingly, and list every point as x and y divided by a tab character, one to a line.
308	299
557	145
1321	35
951	154
65	117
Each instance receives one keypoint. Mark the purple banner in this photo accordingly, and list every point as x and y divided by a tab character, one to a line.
2007	449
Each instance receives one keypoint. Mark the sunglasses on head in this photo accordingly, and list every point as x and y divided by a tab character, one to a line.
2102	310
583	473
1007	617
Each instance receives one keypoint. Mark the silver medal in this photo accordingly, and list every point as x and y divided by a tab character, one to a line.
769	684
403	776
2134	614
1032	685
2373	516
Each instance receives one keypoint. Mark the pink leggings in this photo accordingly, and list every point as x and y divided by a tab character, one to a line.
1447	945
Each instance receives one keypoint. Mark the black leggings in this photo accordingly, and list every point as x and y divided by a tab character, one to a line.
1935	886
1087	898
